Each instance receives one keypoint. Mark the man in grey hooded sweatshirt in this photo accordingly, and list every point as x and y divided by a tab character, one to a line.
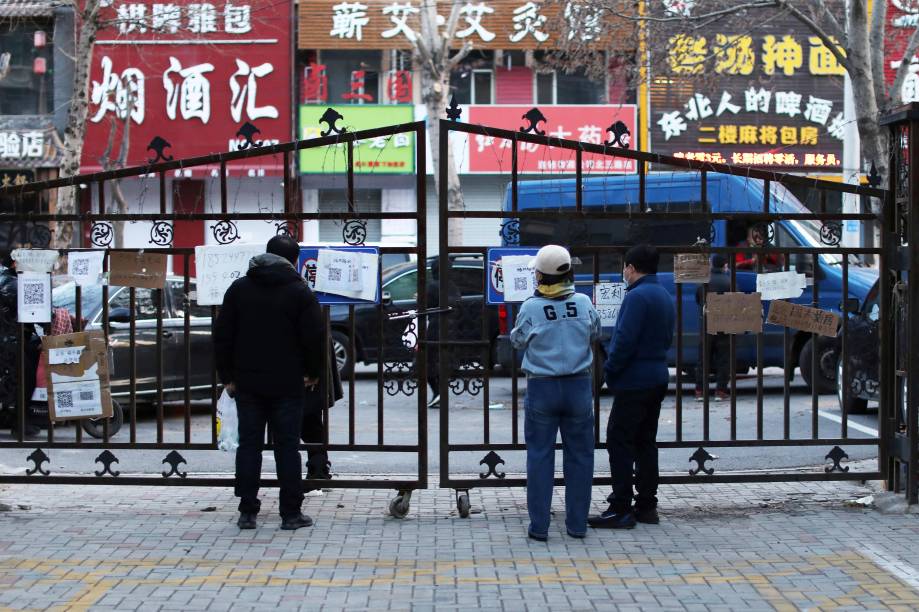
267	341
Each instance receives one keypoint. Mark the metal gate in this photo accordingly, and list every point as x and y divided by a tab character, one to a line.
163	358
539	210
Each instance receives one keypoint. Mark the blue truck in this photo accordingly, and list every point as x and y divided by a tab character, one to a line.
681	192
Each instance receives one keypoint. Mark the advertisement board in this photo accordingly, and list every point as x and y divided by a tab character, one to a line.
596	124
190	79
385	155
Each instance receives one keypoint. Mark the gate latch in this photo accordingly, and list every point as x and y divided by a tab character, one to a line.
409	314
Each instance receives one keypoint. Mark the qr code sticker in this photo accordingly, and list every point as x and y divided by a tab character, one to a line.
87	396
520	284
81	267
64	399
335	274
34	294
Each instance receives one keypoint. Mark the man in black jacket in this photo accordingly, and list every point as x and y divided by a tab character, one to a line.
9	352
267	340
718	345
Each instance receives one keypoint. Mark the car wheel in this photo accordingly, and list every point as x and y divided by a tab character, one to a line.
825	378
848	403
341	348
95	428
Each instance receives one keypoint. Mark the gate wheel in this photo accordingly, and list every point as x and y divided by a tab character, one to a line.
462	503
399	506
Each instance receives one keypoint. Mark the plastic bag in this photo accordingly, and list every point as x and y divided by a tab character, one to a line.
227	423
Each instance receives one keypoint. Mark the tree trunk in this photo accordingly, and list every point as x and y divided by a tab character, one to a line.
436	104
76	119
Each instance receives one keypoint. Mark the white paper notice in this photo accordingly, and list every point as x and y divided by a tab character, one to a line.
519	278
77	399
34	260
34	297
608	300
780	285
85	267
218	266
69	354
338	272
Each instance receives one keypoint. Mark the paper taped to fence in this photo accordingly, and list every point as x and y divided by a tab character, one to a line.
85	267
140	269
780	285
78	389
804	318
218	265
691	268
733	313
34	260
519	278
608	301
34	297
351	274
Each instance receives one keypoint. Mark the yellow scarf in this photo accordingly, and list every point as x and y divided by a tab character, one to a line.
557	290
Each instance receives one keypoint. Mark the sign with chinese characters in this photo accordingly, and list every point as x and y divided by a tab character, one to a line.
496	272
201	77
487	24
608	299
10	177
368	271
805	318
593	124
24	145
769	96
384	155
902	21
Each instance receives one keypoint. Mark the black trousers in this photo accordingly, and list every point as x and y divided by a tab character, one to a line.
719	360
313	429
631	440
284	417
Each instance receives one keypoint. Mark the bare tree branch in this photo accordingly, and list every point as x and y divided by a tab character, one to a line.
836	30
713	15
812	25
903	69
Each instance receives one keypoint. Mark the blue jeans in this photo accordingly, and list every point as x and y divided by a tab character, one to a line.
564	403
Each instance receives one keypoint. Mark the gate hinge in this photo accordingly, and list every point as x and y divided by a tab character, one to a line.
897	256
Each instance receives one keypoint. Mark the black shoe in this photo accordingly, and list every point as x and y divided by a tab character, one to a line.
648	516
538	538
435	402
319	472
579	536
31	432
296	522
612	520
246	520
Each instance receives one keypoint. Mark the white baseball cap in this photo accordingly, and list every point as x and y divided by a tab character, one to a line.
552	259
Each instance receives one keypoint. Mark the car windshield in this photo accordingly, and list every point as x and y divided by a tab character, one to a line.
808	230
66	296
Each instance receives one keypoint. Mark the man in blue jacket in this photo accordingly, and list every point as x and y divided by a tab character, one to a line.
636	372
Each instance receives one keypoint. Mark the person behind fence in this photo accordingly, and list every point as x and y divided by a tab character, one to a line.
9	352
265	341
636	372
432	327
317	398
717	345
555	330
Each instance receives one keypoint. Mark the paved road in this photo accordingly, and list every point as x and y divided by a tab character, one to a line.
466	425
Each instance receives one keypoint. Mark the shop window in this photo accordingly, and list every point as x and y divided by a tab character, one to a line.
353	76
27	87
473	80
545	88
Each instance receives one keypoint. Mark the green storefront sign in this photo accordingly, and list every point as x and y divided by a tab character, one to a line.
386	155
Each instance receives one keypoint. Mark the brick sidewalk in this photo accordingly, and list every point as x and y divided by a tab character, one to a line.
786	546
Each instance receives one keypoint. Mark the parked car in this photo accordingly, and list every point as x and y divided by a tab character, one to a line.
399	294
680	192
146	307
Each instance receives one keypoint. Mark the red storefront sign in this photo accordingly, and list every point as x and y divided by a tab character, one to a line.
204	77
592	124
902	21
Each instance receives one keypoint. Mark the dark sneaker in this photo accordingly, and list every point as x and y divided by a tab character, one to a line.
319	472
246	520
579	536
699	396
435	402
722	396
648	516
612	520
538	538
296	522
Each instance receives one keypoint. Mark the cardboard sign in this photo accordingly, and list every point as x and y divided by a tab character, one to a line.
81	389
147	270
34	260
780	285
804	318
85	267
691	268
519	278
33	297
608	301
218	265
733	313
